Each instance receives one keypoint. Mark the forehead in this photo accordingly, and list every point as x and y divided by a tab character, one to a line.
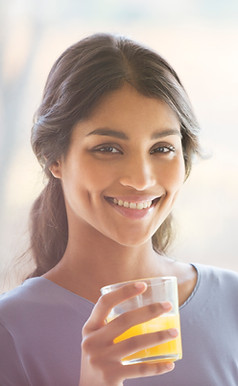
128	110
129	101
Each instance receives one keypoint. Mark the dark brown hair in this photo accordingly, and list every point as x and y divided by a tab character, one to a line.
77	81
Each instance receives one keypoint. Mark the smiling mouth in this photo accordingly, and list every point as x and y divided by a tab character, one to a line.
134	205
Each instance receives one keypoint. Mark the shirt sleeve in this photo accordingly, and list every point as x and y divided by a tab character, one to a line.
11	370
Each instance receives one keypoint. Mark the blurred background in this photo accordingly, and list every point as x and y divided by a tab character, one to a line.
199	38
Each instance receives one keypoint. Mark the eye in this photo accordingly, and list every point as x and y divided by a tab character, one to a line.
106	149
163	149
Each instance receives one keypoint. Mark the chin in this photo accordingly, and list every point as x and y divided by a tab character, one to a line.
132	241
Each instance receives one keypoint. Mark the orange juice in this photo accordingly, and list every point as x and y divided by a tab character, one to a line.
169	351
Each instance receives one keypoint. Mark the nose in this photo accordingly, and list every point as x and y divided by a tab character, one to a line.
138	173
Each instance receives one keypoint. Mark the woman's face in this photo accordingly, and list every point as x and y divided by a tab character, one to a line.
124	168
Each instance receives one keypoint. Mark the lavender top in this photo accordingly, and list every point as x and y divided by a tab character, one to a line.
40	334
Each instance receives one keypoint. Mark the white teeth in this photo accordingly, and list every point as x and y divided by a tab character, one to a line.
133	205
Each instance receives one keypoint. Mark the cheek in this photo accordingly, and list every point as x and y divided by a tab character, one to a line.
174	175
95	177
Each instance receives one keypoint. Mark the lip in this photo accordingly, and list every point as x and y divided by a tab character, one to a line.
133	213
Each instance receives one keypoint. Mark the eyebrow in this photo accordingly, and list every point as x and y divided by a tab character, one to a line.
119	134
165	133
109	132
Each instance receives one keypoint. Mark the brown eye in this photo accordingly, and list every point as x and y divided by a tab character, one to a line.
106	149
163	149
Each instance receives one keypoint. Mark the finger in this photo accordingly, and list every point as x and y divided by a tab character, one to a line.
147	369
108	301
141	342
131	318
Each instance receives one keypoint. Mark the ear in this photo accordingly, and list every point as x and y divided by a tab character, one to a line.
55	169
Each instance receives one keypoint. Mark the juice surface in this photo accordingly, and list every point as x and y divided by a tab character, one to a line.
170	351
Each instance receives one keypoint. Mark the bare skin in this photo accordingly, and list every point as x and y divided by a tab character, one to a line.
88	278
110	243
105	356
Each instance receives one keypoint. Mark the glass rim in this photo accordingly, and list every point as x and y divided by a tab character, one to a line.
146	280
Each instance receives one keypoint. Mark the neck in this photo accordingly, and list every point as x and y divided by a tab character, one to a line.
87	266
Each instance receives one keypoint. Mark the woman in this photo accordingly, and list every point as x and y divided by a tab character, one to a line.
115	135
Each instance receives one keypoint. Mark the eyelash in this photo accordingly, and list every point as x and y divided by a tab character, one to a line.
167	148
162	149
105	149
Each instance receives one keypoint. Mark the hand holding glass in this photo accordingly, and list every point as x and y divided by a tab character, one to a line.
159	289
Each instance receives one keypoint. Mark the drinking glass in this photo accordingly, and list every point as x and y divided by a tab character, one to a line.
159	289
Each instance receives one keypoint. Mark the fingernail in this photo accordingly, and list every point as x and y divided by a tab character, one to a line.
140	285
170	365
166	306
173	332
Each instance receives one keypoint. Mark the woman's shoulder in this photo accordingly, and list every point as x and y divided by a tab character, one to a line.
16	302
211	283
217	275
38	296
215	284
23	292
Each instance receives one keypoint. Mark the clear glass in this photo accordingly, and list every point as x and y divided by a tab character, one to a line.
159	289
